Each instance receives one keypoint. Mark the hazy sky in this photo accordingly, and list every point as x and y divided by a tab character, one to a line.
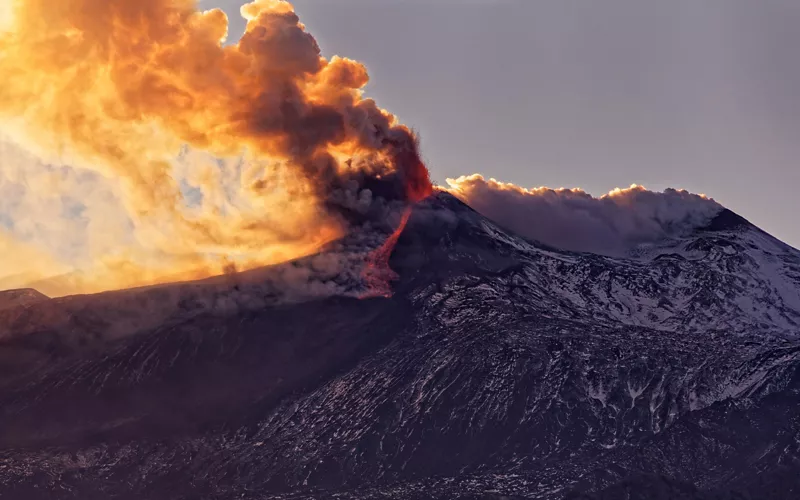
701	95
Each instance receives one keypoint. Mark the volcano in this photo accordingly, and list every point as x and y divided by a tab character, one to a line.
497	367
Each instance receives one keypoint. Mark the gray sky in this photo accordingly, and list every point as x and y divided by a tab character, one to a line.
702	95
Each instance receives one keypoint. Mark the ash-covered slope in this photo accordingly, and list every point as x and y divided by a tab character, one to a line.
500	368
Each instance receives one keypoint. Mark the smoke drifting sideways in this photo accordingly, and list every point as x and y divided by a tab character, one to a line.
570	219
141	149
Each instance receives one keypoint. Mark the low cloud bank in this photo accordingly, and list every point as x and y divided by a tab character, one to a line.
572	219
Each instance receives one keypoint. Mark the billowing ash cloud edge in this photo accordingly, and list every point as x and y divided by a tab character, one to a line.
209	156
571	219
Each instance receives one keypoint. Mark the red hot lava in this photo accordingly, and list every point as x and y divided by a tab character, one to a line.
377	273
416	176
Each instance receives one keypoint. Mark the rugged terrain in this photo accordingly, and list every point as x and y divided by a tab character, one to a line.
499	368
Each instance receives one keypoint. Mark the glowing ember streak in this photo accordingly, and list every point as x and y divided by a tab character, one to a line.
377	273
417	180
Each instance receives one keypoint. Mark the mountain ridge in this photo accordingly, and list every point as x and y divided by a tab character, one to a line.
499	368
20	297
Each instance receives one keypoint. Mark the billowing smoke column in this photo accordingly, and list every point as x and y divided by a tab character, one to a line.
221	155
572	219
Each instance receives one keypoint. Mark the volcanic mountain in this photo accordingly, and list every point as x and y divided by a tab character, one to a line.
21	297
499	368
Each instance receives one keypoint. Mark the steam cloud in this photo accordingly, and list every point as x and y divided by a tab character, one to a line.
571	219
136	148
177	156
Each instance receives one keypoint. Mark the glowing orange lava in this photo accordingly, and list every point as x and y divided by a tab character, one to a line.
377	273
417	178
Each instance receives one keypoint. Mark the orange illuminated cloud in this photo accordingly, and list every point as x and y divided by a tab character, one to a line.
224	155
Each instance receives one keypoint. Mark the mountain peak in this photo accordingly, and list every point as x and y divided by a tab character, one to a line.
20	297
727	220
713	273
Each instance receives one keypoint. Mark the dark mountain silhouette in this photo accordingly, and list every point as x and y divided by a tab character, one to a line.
499	368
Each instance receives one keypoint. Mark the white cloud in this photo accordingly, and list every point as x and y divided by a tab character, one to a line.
572	219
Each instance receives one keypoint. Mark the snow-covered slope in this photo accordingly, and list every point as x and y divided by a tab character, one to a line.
500	368
727	278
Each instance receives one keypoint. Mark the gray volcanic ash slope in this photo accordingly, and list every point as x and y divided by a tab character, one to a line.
500	368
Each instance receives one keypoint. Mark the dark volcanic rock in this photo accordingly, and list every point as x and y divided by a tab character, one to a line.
500	368
727	220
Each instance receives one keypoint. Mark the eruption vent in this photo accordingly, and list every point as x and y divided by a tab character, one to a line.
212	157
